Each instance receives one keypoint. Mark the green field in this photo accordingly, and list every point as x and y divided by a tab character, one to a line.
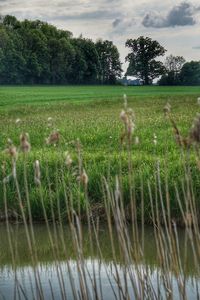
91	114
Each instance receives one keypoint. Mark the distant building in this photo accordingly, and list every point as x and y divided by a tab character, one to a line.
130	81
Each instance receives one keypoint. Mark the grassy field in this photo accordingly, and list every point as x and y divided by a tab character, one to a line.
91	114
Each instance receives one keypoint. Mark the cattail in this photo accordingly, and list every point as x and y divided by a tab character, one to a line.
130	128
125	101
53	138
49	122
195	130
117	189
14	170
124	117
7	179
127	116
84	178
137	141
167	109
9	141
68	159
12	152
24	142
155	139
37	175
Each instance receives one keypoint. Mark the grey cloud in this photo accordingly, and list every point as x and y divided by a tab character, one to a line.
180	15
116	22
121	25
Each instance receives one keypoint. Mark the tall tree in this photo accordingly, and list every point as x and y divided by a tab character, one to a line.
110	65
86	64
173	65
142	63
190	73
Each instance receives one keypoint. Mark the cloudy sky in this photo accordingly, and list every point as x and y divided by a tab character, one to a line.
175	24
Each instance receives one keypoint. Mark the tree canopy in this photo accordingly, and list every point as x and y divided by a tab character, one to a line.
173	65
190	73
142	63
35	52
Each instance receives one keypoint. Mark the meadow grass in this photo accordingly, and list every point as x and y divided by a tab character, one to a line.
91	114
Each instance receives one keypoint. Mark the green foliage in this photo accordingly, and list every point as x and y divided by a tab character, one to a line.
173	66
190	73
142	63
35	52
110	66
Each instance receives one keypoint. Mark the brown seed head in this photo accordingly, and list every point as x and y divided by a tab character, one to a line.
53	138
24	142
167	109
12	152
195	130
37	175
68	159
84	178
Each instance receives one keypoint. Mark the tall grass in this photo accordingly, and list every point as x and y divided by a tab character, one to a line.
62	195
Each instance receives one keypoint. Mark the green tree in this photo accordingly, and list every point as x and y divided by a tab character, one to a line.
190	73
142	63
12	63
36	52
173	65
86	64
109	59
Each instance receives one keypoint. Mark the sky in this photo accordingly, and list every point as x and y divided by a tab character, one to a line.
175	24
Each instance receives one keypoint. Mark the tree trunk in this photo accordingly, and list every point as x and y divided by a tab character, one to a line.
146	80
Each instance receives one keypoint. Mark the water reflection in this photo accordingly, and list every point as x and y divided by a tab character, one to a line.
18	276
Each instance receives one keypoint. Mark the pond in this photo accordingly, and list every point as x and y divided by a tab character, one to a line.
57	268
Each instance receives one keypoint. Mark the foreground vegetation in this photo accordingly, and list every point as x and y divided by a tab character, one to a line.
90	130
109	160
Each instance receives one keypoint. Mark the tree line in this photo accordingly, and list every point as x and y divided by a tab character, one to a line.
173	71
35	52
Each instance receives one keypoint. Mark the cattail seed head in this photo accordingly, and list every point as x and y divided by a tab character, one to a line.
9	141
17	121
167	109
84	178
68	159
137	141
195	130
12	152
124	117
125	101
37	175
24	143
53	138
155	139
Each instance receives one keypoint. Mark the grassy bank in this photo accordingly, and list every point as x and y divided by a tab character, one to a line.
91	114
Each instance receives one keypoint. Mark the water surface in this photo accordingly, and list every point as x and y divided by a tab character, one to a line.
57	273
